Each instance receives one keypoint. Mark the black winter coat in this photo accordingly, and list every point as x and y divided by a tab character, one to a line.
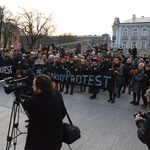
144	129
94	89
126	72
45	127
146	80
106	65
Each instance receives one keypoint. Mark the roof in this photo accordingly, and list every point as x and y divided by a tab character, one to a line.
138	20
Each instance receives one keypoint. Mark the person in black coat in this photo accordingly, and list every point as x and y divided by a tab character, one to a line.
71	66
145	84
82	67
134	52
127	75
94	90
46	113
106	64
143	123
63	66
25	71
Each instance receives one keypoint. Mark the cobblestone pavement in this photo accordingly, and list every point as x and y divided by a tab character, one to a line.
104	126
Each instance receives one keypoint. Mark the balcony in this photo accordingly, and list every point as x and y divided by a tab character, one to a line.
134	38
143	38
124	37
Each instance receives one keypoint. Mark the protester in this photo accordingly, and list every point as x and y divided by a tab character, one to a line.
136	83
72	67
145	84
63	66
82	66
116	87
106	65
127	75
93	89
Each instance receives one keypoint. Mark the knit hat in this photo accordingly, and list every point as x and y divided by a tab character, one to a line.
71	59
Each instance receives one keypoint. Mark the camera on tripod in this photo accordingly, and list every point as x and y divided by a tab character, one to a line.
14	85
22	93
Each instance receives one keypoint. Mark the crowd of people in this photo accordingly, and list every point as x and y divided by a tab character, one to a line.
132	72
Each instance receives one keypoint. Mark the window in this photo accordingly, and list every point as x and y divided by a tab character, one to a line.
133	44
144	31
134	32
124	45
125	32
143	45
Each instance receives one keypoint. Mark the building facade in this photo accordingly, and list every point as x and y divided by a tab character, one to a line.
130	33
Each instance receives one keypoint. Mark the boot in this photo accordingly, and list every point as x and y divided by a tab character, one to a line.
134	99
114	96
84	89
93	96
119	90
61	90
66	92
109	100
71	92
129	90
124	87
118	95
110	96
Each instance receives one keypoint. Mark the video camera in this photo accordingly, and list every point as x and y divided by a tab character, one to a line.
15	85
140	113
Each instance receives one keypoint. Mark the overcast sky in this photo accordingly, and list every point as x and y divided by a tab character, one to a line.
84	17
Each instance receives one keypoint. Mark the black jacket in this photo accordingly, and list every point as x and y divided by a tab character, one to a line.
144	129
93	88
106	65
45	127
146	80
126	72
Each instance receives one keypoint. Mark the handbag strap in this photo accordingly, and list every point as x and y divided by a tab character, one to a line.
61	99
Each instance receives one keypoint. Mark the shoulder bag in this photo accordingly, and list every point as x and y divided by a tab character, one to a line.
71	132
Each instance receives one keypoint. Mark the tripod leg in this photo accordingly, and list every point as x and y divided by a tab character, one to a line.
69	147
12	125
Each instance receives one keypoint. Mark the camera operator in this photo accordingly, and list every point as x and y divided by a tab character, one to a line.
25	71
46	113
143	123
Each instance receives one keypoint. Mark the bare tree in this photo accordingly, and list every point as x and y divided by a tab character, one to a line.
34	26
8	28
2	8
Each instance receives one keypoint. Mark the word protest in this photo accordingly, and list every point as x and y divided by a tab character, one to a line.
84	78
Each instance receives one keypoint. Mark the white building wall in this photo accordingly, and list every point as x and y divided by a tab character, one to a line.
129	39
